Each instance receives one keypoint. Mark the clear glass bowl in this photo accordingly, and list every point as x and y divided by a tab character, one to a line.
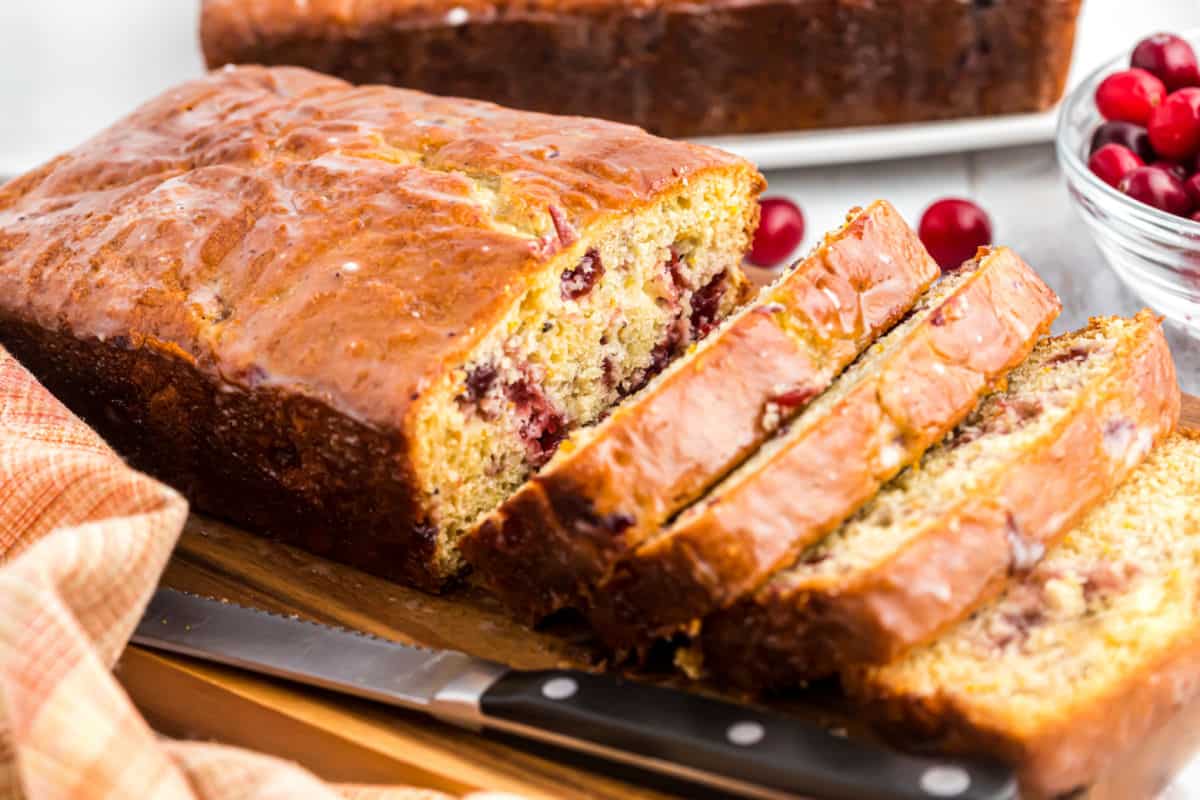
1156	254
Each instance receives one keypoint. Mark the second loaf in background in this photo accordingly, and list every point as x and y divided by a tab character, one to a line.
679	69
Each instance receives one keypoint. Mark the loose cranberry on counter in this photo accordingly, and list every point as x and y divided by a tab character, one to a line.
780	231
1173	167
1158	188
1196	218
1113	162
1175	126
1169	58
1130	96
1125	134
952	230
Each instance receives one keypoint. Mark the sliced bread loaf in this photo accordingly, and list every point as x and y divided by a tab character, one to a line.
612	485
902	396
1081	661
1076	418
358	317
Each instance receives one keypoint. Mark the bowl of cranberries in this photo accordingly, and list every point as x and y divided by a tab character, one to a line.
1129	146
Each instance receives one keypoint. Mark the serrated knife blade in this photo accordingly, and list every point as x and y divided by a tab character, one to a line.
722	745
286	647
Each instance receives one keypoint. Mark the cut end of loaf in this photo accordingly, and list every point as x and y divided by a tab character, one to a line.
777	301
597	324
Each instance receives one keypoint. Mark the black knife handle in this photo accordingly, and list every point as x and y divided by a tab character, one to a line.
727	746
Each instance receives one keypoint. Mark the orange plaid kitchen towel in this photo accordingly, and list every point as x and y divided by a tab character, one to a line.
83	541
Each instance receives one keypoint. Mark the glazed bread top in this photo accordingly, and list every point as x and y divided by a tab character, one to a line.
276	226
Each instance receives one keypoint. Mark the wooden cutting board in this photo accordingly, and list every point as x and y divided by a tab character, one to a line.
347	740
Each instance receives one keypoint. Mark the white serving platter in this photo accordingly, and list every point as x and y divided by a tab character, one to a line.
885	142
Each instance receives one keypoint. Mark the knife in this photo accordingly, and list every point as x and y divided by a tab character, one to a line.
720	745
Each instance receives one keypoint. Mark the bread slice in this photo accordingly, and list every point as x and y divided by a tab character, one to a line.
903	395
358	317
1081	412
610	486
1081	659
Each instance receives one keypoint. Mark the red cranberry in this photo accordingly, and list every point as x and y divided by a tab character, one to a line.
952	230
1113	162
1196	218
1125	134
1175	126
1158	188
579	280
780	230
1168	57
1130	96
706	304
1173	167
1192	185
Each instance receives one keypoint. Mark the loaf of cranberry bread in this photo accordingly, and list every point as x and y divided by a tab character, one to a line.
1081	413
357	318
612	485
1082	660
678	68
903	395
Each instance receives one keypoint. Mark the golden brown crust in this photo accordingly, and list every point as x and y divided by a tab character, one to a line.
1073	753
279	462
563	531
1168	740
281	233
677	67
1085	749
721	550
791	632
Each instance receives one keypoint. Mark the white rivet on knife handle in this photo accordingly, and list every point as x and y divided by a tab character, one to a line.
945	781
559	688
745	733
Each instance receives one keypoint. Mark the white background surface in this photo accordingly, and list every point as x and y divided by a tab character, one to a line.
69	67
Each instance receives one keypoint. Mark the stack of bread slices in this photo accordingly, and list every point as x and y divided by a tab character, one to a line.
992	535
